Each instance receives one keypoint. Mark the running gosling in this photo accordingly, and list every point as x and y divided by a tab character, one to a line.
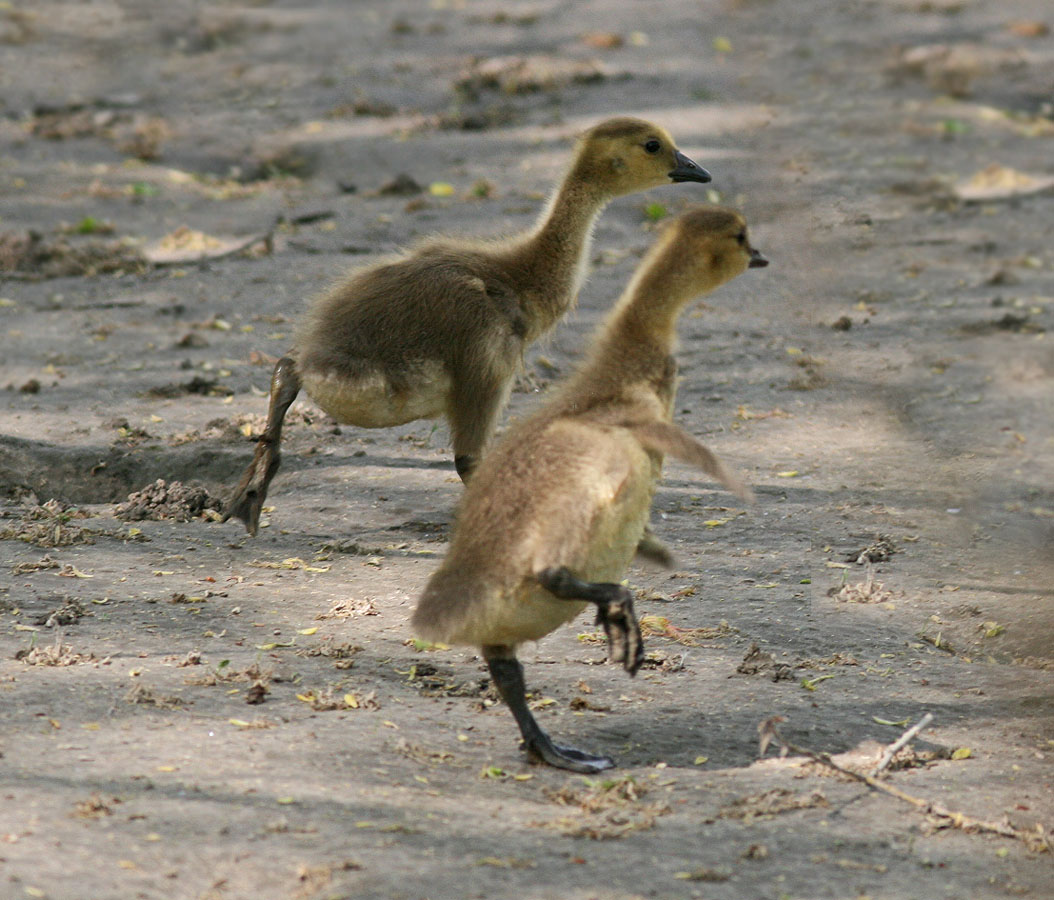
441	332
555	512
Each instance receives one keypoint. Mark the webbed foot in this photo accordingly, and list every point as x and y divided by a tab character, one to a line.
545	751
247	499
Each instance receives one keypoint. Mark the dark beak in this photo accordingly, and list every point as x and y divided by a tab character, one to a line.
757	261
686	170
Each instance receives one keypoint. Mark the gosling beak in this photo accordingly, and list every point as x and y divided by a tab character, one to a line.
757	261
686	170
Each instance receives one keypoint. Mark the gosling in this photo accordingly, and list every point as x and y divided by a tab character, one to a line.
442	332
558	509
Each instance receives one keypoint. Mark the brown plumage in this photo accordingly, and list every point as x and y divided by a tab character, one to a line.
441	332
556	511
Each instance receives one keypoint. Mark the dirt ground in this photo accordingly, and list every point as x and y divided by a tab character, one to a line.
187	712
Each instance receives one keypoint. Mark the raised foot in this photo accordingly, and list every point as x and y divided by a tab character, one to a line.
247	499
568	758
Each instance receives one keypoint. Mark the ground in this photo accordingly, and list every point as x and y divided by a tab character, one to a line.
187	712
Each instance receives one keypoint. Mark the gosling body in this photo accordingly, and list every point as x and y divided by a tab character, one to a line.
441	332
558	509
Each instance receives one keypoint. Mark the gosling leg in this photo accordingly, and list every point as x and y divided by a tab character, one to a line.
507	673
614	611
651	549
248	497
473	410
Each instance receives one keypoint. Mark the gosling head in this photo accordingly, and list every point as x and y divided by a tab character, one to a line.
710	245
622	156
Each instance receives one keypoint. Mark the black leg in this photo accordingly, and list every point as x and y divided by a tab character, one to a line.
507	673
614	611
465	466
248	497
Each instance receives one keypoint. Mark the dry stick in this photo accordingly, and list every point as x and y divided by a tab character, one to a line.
952	818
902	741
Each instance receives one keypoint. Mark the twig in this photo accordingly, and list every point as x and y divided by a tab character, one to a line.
902	741
1035	840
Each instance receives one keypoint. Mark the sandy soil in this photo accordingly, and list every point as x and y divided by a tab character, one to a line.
186	712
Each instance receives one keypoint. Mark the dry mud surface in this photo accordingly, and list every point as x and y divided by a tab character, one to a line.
186	712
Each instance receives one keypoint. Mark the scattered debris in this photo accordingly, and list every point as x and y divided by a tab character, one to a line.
1018	323
422	754
939	642
659	626
347	609
529	74
206	387
48	525
140	695
953	68
704	873
867	591
94	807
771	803
607	808
25	568
939	816
185	245
996	182
30	256
167	500
57	654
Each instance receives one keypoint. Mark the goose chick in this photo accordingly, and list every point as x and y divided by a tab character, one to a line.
555	512
441	332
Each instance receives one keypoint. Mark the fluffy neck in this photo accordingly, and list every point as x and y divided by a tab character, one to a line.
554	255
647	312
630	364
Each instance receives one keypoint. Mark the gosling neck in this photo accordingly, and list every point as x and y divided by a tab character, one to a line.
646	315
557	249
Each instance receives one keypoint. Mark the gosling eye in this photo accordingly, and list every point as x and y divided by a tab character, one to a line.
653	146
741	239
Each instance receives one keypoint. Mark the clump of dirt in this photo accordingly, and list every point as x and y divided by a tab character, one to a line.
879	550
758	662
168	500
